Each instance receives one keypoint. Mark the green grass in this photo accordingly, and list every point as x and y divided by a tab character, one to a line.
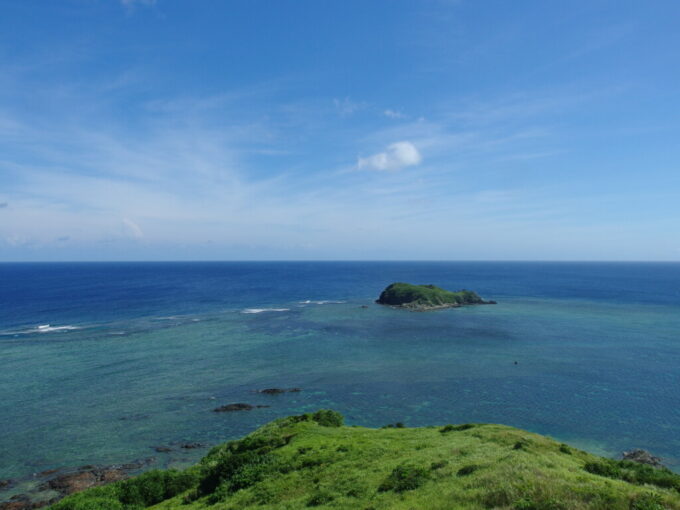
312	460
405	294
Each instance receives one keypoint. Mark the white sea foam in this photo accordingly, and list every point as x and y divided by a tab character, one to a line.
184	318
322	302
41	329
261	310
47	328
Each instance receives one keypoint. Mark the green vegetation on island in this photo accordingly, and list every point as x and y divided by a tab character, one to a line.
313	460
424	297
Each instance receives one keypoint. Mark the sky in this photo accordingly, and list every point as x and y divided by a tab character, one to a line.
339	130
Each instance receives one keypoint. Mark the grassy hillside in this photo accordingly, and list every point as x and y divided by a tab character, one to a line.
417	296
309	461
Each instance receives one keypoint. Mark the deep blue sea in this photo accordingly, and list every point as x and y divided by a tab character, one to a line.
100	362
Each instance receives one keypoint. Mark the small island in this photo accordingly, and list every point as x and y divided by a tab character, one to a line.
427	297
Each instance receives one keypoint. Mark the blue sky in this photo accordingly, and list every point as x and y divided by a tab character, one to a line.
307	129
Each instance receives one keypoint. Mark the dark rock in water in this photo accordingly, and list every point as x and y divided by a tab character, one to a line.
5	483
134	466
233	407
81	480
105	476
277	391
24	502
138	464
363	306
643	457
17	503
67	482
73	482
190	446
92	476
40	504
236	407
162	449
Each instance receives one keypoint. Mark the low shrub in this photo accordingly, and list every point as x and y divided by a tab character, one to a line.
404	478
261	444
236	471
87	502
264	495
311	462
634	472
647	501
524	504
452	428
140	492
398	425
637	473
155	486
520	445
355	492
603	468
467	470
328	418
438	465
320	498
251	473
542	504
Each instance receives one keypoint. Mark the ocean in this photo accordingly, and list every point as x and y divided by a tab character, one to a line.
101	362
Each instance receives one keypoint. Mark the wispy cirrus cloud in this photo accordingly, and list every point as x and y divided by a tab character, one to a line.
134	229
346	107
393	114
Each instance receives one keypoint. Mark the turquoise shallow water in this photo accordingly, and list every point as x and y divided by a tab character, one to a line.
159	346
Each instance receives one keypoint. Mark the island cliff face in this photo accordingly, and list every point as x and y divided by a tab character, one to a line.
427	297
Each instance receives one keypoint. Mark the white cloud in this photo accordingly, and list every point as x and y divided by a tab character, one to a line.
397	155
133	228
393	114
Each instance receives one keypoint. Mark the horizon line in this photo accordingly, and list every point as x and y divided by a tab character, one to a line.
199	261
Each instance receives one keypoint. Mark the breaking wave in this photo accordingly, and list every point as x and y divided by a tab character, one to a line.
261	310
43	328
321	302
